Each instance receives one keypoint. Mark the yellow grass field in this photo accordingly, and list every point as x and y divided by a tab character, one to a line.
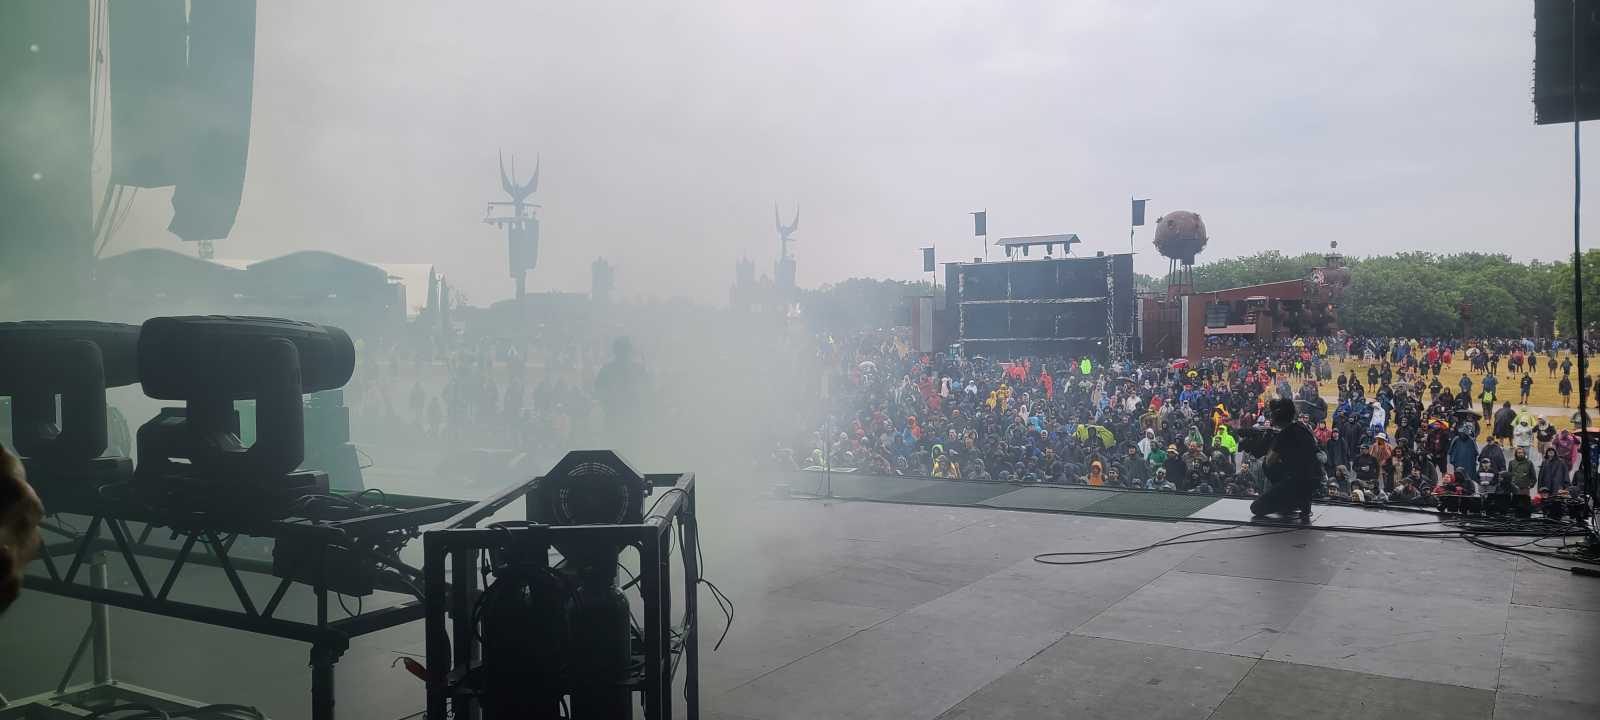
1542	396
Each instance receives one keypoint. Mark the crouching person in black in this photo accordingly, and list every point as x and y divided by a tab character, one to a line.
1290	465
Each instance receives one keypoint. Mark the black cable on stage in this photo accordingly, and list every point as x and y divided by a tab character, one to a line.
1125	553
1473	536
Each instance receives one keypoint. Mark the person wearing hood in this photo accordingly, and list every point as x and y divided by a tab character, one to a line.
1225	441
1380	418
1334	449
1096	475
1504	419
1493	454
1135	469
1567	446
1463	454
1544	433
1522	432
1554	472
1147	444
1520	471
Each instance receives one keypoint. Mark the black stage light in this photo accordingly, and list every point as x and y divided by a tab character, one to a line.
1497	504
193	454
1554	508
76	360
1450	504
1472	505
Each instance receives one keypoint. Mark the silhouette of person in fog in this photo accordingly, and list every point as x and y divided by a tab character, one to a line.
621	388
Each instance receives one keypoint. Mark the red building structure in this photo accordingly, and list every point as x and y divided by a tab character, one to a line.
1188	324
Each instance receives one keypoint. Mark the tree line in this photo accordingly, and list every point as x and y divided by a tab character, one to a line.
1420	293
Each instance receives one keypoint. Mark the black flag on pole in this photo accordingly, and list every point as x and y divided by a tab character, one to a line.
1138	212
927	259
980	222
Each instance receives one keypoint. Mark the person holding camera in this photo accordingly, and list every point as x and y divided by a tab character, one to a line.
1290	465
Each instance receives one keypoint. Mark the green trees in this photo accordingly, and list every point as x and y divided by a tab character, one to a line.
1561	290
1418	293
1270	266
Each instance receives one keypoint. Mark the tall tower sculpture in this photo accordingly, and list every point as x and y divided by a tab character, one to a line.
783	275
520	223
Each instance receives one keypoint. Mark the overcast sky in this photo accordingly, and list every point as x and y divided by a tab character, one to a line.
668	130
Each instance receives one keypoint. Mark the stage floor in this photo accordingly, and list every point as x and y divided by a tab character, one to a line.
848	609
915	611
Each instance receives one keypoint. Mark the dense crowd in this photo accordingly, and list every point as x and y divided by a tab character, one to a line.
1397	432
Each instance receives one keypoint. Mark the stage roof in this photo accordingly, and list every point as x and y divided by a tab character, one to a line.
1066	239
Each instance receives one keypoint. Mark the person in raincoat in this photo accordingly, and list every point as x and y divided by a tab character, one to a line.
1464	454
1096	474
1520	472
1522	432
1554	472
1225	441
1135	469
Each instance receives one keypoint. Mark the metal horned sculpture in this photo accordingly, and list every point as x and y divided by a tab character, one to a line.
785	232
519	193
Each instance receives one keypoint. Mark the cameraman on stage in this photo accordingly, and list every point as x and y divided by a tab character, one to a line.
1290	465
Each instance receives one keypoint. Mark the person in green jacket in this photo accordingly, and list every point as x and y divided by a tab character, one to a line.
1521	472
1084	366
1224	440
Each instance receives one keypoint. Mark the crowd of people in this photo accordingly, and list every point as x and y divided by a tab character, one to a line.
1394	432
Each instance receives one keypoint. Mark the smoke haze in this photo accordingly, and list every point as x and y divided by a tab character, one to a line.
668	130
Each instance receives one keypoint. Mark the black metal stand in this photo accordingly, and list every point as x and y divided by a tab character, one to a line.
217	533
450	593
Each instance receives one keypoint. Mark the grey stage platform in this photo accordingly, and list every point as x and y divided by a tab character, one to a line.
915	611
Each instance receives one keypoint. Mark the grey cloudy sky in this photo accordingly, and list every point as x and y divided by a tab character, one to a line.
668	129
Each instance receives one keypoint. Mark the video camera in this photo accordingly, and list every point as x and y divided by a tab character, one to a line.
1256	441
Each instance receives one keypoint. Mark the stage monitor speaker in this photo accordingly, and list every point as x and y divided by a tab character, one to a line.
1553	60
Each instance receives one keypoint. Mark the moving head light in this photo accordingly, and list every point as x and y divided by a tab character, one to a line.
210	361
75	359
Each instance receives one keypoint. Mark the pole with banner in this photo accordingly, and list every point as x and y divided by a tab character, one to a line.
1138	218
980	228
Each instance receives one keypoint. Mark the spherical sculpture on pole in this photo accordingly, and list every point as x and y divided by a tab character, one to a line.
1180	235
